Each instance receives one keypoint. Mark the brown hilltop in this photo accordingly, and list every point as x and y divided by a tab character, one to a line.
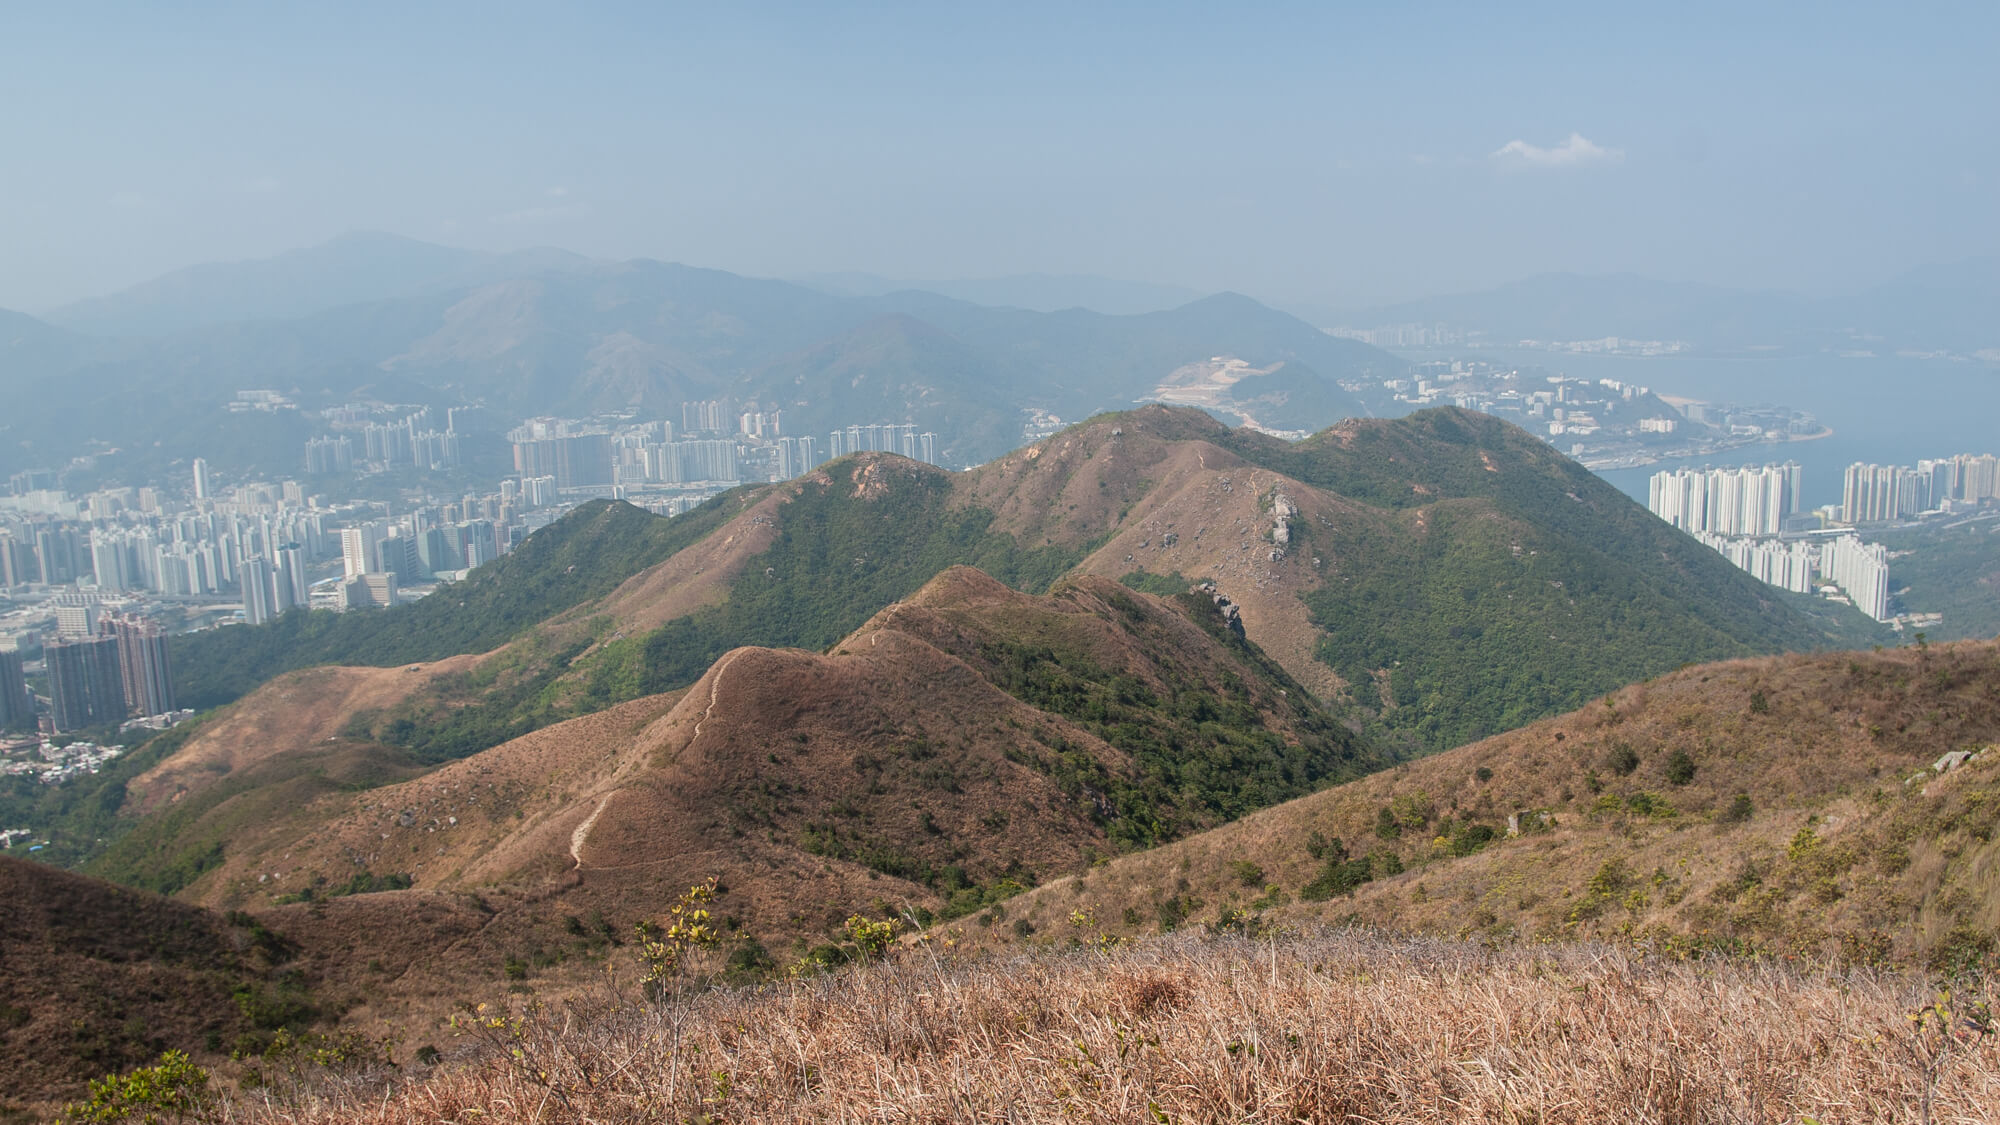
1812	822
1152	490
293	714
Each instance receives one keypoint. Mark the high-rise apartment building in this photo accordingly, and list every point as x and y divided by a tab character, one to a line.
201	481
705	417
86	684
17	707
1750	501
1861	569
144	671
17	562
111	562
259	593
360	549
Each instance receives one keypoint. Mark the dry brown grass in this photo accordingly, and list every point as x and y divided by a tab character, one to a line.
1337	1025
292	714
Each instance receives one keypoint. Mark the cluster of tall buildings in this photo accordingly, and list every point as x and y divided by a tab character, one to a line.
1883	493
119	671
1861	570
381	557
597	458
413	441
1749	501
1787	564
1740	512
903	439
548	447
185	555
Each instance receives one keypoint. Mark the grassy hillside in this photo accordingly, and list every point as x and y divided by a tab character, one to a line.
1447	573
961	745
99	978
1327	1025
1784	805
844	542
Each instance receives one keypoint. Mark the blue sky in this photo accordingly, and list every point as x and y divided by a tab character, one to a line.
1320	154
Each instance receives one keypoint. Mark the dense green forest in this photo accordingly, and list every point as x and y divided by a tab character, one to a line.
584	555
1484	624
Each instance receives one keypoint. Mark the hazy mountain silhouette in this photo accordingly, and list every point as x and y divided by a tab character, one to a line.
1036	292
351	269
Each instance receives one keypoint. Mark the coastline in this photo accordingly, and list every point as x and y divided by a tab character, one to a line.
1601	464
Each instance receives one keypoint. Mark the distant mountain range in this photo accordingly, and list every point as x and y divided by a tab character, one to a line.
1947	308
550	333
350	270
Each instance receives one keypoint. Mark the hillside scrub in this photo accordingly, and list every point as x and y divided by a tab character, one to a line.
1786	804
1335	1025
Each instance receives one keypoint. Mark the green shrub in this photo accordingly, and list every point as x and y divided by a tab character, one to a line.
1247	873
1680	768
1622	759
173	1090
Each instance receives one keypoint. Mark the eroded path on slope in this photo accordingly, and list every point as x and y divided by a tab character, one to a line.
578	838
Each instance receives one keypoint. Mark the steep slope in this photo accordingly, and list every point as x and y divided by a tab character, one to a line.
95	979
1789	804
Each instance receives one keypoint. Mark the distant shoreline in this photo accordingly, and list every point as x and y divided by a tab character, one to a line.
1639	463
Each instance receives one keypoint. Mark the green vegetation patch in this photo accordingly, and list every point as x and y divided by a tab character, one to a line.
1204	752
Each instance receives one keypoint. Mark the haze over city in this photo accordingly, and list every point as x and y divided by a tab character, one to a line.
1310	155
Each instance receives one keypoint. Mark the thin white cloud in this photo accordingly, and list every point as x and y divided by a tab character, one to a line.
1575	151
539	214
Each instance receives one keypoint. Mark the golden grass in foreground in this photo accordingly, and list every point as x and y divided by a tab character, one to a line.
1339	1025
